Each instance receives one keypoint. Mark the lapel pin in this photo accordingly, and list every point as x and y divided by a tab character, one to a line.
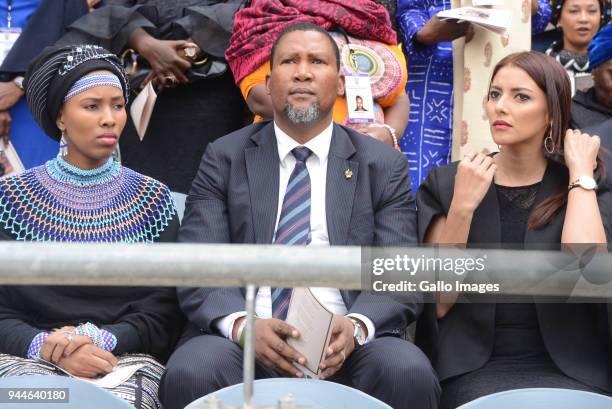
348	173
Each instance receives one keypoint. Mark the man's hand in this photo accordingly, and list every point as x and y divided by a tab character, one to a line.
9	95
91	4
271	348
88	361
5	126
437	30
342	344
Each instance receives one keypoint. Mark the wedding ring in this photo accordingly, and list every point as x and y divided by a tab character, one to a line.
343	356
169	80
69	336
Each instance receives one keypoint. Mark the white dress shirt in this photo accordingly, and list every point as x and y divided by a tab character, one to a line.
317	170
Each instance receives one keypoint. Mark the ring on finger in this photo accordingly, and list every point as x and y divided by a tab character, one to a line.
170	80
280	346
343	356
69	336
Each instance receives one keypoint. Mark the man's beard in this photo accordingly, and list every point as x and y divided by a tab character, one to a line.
303	116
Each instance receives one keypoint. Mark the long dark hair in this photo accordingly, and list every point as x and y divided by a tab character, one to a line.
552	79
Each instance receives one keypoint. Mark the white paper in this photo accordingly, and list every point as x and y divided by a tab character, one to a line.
10	160
496	20
7	40
142	108
314	322
116	377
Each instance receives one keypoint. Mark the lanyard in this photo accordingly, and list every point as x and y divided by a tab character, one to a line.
9	17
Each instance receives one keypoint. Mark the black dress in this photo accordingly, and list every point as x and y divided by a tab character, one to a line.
519	358
481	347
185	119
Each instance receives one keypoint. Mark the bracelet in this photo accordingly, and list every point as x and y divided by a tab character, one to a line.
392	132
36	345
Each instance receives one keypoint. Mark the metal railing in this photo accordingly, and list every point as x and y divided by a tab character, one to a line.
522	272
212	265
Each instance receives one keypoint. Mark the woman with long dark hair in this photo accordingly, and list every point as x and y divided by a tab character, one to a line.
544	187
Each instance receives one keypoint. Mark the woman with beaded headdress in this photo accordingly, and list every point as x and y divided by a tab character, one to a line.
83	195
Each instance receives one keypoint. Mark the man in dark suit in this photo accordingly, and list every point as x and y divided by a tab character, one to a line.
301	179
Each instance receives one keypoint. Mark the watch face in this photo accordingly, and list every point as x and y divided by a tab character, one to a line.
587	182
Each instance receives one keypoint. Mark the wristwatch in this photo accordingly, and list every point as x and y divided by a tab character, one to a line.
18	80
358	333
585	182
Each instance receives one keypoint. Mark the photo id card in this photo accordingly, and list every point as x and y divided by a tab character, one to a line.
7	39
359	101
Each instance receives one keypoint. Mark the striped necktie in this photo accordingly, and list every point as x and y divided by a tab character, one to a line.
294	221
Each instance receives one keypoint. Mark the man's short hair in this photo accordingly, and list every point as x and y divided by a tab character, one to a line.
305	27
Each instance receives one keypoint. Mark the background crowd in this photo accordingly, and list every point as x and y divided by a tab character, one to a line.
218	66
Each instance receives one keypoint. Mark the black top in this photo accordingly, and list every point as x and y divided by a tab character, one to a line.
587	111
576	336
517	331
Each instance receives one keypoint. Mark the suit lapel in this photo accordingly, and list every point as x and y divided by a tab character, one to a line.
342	176
262	165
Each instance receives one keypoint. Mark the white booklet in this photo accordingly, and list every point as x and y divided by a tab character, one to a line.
314	322
142	109
111	380
496	20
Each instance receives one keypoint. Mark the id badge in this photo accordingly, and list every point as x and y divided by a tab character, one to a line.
358	93
7	39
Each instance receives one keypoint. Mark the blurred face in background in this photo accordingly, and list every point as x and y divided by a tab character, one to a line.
579	21
602	78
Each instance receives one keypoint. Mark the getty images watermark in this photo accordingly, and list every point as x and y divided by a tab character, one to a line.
581	274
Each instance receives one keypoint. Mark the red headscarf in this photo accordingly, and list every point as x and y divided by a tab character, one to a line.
256	27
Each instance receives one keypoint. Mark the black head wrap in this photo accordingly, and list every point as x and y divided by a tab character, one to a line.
557	6
54	72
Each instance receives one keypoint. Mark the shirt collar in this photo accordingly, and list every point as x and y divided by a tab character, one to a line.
319	145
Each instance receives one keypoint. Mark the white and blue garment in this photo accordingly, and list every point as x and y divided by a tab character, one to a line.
428	136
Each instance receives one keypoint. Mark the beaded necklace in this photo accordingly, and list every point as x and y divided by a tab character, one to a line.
60	202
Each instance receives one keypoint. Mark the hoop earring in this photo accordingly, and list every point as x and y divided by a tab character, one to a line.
549	140
63	150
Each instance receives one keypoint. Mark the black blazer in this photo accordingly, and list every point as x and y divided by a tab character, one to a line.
234	199
577	336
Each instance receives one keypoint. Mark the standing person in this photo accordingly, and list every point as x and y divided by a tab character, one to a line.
593	106
182	44
544	187
42	24
368	48
85	196
578	21
301	180
427	45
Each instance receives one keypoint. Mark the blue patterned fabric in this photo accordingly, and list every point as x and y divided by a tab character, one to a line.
428	136
59	202
294	221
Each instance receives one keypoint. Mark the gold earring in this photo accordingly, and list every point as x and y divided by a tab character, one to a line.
549	144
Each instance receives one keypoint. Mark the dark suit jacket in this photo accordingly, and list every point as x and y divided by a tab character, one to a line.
234	199
577	336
